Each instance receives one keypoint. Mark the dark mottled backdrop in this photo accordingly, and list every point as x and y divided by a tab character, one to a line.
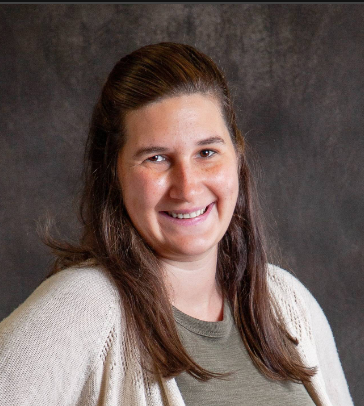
297	74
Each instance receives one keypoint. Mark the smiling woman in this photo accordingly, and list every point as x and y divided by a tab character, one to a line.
182	200
168	298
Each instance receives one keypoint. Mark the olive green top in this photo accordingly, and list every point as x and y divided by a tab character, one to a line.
217	347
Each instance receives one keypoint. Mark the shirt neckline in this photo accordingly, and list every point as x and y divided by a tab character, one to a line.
214	329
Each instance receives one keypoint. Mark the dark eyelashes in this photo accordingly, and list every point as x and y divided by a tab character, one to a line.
204	153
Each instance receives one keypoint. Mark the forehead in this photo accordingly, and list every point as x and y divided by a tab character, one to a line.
176	117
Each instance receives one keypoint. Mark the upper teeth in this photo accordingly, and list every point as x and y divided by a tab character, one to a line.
187	215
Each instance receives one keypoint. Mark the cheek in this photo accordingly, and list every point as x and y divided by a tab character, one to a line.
226	181
142	190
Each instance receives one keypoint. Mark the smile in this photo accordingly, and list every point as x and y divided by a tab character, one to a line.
187	215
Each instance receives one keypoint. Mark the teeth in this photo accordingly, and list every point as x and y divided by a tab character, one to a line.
187	215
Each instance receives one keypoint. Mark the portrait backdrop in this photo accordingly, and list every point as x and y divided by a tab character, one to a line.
297	77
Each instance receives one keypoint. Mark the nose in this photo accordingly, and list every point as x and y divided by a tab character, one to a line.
185	182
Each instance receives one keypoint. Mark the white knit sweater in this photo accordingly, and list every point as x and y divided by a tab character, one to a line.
66	345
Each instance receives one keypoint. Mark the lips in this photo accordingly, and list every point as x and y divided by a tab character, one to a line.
190	215
193	214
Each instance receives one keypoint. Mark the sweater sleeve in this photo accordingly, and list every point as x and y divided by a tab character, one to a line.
50	344
327	354
320	347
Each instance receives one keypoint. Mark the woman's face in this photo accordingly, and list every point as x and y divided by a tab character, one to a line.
178	171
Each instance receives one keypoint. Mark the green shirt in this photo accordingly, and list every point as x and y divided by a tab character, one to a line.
218	347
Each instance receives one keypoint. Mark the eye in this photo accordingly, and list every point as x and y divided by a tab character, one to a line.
156	158
207	153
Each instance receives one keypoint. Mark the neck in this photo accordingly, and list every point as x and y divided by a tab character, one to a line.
192	287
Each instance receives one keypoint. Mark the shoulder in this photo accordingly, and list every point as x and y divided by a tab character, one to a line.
85	284
82	300
90	284
279	277
286	286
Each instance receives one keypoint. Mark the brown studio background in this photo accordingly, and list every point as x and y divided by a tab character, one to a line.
297	75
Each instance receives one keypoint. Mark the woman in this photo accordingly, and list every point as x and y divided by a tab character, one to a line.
168	298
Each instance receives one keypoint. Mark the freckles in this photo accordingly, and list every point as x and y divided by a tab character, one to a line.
226	179
146	187
158	183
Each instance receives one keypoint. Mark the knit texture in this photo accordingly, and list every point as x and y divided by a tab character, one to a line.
67	345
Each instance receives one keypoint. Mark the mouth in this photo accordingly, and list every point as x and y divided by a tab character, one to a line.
190	215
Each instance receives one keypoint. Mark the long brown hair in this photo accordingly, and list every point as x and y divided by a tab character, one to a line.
149	74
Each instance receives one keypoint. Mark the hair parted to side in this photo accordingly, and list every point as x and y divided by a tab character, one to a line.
149	74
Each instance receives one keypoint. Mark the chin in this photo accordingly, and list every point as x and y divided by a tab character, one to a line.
189	251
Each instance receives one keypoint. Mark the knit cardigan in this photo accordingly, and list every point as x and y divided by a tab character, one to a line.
67	345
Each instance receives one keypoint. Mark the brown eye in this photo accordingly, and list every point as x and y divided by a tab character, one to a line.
156	158
206	153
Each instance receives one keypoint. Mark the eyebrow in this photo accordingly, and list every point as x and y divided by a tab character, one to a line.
156	149
211	140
